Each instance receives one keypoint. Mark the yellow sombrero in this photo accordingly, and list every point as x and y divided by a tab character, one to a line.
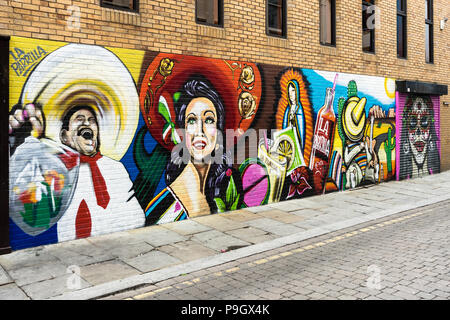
354	119
89	75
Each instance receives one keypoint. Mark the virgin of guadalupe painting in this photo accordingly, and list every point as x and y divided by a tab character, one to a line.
294	115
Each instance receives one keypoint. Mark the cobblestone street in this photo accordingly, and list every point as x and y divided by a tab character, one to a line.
405	256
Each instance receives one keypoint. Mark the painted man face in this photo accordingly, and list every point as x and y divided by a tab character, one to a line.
82	133
201	128
419	124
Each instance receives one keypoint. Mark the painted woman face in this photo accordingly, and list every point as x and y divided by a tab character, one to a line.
419	124
292	94
201	128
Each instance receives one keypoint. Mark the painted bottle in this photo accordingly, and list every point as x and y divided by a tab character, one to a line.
323	142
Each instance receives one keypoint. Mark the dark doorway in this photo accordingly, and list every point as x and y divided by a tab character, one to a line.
4	151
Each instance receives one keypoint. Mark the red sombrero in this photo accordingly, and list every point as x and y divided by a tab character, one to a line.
237	83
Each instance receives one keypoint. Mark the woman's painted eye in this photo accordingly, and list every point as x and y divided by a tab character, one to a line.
413	122
209	120
424	122
191	121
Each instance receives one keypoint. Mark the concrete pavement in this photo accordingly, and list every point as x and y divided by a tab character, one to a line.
405	256
99	266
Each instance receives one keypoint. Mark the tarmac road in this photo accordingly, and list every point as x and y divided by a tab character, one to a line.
403	256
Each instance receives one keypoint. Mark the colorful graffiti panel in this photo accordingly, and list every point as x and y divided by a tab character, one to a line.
106	139
74	110
418	130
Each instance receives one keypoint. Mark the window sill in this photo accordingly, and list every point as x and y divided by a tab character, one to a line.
277	41
430	66
402	61
327	49
210	31
370	56
121	16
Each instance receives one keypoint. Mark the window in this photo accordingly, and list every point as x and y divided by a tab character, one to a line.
429	46
368	26
276	18
401	29
328	22
129	5
209	12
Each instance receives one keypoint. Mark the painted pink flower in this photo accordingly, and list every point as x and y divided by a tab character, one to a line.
299	182
229	172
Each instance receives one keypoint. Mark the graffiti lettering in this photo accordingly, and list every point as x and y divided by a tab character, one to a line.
322	144
25	61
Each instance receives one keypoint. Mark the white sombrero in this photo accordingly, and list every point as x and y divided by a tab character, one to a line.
90	75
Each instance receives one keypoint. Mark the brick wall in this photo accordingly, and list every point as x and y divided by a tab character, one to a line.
169	26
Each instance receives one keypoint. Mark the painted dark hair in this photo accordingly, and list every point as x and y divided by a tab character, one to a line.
406	156
217	179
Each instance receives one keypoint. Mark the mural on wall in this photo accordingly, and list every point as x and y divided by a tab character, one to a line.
70	126
188	103
418	119
105	139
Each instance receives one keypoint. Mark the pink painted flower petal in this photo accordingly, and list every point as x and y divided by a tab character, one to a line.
303	186
292	189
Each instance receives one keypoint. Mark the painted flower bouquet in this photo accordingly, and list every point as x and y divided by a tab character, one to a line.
43	175
41	199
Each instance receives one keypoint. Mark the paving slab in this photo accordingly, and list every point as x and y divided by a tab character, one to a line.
218	222
106	272
12	292
285	230
265	224
151	261
54	287
308	203
284	205
25	258
218	241
116	239
241	215
157	235
126	251
79	252
187	250
186	227
307	213
45	271
4	277
281	216
248	234
257	209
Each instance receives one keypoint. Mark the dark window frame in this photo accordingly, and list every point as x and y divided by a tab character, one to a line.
404	14
220	15
429	20
113	6
333	26
371	49
283	21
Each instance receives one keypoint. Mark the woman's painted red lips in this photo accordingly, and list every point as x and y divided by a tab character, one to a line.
420	145
199	144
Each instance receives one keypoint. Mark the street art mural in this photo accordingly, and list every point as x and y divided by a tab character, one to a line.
418	122
107	139
69	128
